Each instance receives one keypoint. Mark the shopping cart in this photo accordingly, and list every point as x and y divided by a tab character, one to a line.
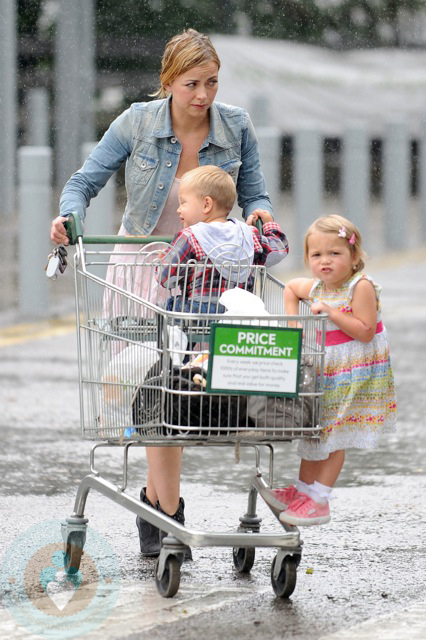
150	376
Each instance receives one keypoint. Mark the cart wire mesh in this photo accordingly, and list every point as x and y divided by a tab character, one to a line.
143	364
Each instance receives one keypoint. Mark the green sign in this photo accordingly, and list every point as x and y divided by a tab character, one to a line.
254	360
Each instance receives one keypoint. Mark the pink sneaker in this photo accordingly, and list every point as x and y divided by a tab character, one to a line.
303	511
279	499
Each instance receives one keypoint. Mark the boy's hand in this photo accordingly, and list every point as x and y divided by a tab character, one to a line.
265	216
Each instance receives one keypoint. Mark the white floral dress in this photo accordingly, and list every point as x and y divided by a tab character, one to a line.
359	393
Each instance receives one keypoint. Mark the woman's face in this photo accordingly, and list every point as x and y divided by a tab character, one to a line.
194	91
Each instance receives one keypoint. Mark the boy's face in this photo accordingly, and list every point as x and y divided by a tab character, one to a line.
191	207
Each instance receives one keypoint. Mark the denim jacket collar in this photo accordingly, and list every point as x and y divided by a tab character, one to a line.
163	125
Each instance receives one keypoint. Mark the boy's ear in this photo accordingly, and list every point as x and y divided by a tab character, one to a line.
208	204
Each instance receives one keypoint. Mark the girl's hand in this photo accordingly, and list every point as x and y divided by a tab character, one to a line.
265	216
319	307
58	234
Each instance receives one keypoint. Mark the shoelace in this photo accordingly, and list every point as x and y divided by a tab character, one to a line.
301	499
285	492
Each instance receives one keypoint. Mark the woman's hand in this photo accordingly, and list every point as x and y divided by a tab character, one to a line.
265	216
58	234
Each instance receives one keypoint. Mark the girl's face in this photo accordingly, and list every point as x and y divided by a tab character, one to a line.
191	207
331	259
194	91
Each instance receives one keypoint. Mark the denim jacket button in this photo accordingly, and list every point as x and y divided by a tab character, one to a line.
154	207
161	185
143	165
168	163
173	140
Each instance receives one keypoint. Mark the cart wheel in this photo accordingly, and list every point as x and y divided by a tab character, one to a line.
168	584
285	583
74	549
243	558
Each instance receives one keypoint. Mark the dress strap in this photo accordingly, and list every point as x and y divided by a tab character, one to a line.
362	276
316	284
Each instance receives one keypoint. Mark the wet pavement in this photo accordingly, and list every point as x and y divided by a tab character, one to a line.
360	577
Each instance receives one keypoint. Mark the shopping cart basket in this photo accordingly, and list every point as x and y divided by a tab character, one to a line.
155	377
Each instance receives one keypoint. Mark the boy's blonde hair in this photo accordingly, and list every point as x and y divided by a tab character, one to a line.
213	182
183	52
343	228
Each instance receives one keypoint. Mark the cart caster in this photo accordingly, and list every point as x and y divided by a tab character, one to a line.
284	575
243	558
74	536
168	583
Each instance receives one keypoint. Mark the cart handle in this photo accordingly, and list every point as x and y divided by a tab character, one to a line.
74	228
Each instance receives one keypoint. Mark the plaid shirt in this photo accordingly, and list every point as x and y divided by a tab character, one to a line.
205	282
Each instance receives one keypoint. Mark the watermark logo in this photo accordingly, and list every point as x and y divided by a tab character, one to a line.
60	581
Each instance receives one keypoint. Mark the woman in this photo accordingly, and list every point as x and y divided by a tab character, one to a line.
161	140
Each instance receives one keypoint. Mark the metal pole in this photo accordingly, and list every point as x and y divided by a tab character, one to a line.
422	180
38	117
396	184
269	141
356	175
67	91
35	167
8	105
87	70
75	84
308	176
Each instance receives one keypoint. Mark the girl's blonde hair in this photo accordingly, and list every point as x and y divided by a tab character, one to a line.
343	228
213	182
183	52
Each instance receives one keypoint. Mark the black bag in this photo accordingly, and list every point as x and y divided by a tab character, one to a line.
206	414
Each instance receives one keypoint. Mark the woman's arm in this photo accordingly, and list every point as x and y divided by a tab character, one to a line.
105	159
251	188
361	325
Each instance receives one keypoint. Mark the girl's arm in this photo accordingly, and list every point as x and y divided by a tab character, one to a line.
294	291
361	325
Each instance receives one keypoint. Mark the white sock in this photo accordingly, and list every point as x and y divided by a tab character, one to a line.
302	487
320	493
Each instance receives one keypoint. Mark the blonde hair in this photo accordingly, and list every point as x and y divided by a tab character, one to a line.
213	182
334	224
183	52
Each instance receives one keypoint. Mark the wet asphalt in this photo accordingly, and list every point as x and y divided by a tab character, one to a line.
368	562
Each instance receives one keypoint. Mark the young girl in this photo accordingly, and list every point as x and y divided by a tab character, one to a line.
359	397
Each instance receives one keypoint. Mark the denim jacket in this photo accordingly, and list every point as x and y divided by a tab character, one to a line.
143	137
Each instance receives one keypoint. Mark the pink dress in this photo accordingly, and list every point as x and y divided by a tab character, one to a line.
141	280
359	395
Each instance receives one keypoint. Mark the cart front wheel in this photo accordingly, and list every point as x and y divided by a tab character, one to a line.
285	583
243	558
74	550
168	584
